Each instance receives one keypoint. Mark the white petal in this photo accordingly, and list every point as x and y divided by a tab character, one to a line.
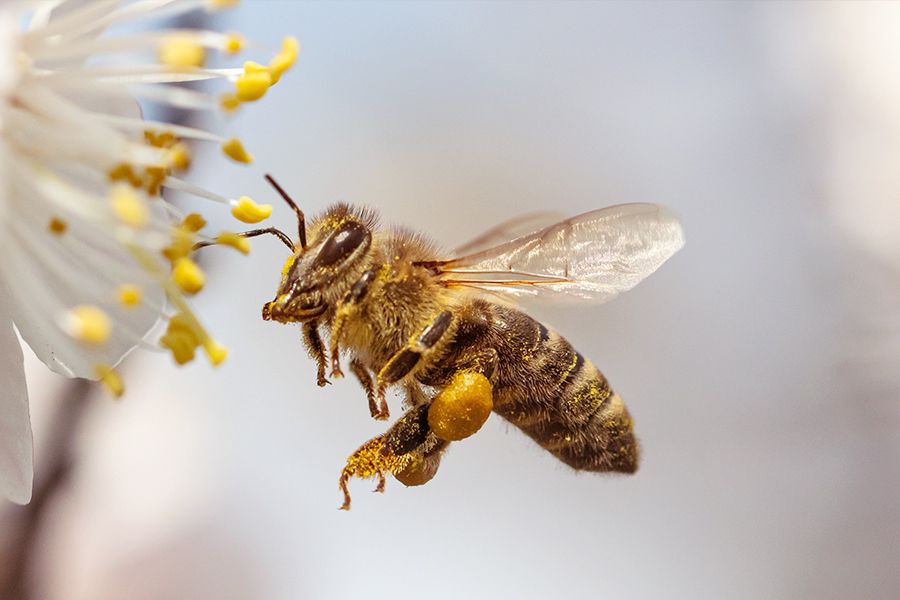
47	275
15	424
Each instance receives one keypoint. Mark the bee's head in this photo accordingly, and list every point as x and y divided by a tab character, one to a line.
317	275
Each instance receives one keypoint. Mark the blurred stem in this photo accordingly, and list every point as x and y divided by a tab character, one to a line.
22	524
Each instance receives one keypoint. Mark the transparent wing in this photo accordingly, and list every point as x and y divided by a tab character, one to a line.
509	230
593	256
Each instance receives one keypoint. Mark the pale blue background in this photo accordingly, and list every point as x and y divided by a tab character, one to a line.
770	468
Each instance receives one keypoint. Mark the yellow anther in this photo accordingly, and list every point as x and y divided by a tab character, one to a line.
284	60
188	276
57	226
229	102
153	179
180	156
251	67
163	139
193	222
215	352
180	338
129	295
234	149
128	206
110	378
461	408
236	241
125	172
181	246
89	324
254	83
248	211
234	43
221	4
181	51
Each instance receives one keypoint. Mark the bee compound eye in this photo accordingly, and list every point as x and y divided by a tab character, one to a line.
341	244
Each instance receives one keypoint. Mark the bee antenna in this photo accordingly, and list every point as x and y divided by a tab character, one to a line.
301	220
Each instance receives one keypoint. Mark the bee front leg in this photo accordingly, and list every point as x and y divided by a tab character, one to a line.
344	309
316	350
407	358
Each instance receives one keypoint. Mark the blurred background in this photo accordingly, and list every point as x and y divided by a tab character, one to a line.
760	363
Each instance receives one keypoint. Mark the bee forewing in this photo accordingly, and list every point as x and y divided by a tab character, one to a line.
593	256
508	230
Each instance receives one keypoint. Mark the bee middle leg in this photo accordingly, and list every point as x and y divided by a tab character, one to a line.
365	380
407	358
316	348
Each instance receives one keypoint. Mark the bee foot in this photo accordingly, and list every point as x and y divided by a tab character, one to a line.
322	381
336	373
379	489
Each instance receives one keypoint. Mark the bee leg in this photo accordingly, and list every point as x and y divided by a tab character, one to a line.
411	437
408	433
369	461
344	310
345	477
316	349
382	481
365	380
407	358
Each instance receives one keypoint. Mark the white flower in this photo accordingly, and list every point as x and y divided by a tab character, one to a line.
91	254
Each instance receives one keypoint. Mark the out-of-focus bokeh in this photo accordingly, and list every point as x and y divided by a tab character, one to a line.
760	363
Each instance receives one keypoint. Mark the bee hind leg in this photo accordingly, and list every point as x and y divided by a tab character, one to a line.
368	461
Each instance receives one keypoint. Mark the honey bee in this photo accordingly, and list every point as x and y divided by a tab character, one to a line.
447	332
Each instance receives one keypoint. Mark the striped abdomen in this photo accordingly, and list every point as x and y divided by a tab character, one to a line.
547	389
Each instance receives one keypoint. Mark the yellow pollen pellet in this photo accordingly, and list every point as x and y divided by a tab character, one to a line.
234	150
128	206
180	156
89	324
57	226
461	408
236	241
129	295
110	378
234	43
253	84
188	275
248	211
181	51
194	222
215	352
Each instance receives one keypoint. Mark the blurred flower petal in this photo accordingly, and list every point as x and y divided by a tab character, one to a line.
15	424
